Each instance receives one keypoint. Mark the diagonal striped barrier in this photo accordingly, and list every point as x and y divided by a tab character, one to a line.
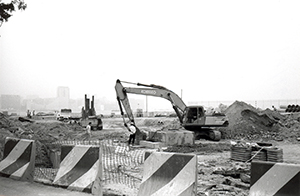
80	169
169	174
118	161
274	179
19	159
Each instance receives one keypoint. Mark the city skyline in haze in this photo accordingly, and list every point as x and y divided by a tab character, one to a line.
62	99
210	50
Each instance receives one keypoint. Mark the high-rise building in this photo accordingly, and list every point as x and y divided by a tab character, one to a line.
63	91
63	97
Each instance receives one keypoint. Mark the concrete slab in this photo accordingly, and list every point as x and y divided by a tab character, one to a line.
149	144
173	137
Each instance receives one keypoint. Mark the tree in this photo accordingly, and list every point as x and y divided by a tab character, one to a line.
6	9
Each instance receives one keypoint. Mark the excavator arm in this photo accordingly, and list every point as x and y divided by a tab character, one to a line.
192	118
150	90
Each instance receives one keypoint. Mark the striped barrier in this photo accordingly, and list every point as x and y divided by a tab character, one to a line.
19	159
118	162
169	174
80	169
274	179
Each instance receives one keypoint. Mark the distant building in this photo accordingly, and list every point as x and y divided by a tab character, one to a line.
63	97
63	92
10	102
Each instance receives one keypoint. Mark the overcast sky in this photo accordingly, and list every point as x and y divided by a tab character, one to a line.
211	50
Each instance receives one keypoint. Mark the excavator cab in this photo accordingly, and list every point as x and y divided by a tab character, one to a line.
194	115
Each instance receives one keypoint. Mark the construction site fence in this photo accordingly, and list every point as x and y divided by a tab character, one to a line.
121	164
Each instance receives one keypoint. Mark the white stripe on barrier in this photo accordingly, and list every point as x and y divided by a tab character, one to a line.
272	184
87	178
16	152
19	173
180	182
153	163
69	162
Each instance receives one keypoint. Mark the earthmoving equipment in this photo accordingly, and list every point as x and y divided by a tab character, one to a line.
192	118
88	114
64	115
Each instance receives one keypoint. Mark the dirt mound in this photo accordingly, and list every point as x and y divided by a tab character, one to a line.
43	133
247	122
233	112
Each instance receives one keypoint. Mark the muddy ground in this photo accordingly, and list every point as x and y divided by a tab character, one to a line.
217	173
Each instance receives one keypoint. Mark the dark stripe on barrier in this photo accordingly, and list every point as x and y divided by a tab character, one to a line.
163	175
9	146
291	187
189	191
20	162
65	150
88	188
147	154
259	171
85	164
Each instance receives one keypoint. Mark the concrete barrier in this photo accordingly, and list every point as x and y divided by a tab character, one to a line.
173	137
19	159
80	169
149	144
169	174
274	179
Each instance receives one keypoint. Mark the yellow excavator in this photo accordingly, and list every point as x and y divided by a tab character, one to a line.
192	118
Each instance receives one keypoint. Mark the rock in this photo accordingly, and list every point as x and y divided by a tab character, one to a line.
227	181
245	178
25	120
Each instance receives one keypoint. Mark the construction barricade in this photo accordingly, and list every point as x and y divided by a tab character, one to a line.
19	159
169	174
120	163
80	169
274	179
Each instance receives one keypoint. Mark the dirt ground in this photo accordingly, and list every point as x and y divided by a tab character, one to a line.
217	173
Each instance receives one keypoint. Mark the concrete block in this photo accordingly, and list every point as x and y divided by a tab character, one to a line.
169	174
19	159
150	144
173	137
80	169
270	178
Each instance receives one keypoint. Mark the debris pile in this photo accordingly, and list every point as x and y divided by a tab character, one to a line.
247	122
215	177
223	178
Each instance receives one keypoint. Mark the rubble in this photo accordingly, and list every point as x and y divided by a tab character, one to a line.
215	177
247	122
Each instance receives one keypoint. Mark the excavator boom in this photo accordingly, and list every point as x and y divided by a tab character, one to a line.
151	90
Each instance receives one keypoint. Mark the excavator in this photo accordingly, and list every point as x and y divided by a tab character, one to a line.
192	118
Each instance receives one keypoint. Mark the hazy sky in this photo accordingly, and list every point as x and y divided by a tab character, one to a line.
212	50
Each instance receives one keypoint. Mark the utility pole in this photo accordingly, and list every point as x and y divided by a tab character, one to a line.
146	105
181	94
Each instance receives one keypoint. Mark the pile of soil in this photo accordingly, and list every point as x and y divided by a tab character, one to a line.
247	122
45	133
